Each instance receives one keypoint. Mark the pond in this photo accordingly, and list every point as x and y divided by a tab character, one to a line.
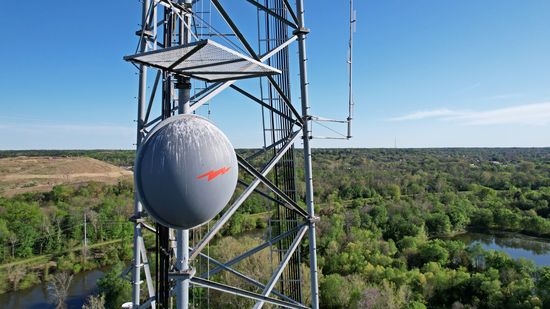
515	245
82	285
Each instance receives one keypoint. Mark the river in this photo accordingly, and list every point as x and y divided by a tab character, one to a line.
516	245
82	285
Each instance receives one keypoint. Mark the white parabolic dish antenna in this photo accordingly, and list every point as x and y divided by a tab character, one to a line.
185	172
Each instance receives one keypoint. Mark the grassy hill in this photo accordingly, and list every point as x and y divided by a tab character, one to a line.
40	174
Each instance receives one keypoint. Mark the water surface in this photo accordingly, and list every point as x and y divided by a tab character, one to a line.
515	245
82	285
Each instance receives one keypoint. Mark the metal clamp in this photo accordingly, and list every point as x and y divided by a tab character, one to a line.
314	219
138	217
146	33
183	274
301	30
183	82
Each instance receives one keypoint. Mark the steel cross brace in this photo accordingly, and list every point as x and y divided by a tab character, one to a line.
270	12
244	293
240	200
254	250
253	54
152	97
291	12
262	193
219	87
265	149
244	277
275	277
255	99
250	169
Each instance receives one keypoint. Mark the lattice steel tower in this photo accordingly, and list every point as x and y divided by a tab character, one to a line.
192	62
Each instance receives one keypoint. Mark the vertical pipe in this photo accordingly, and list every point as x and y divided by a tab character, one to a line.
350	67
138	208
182	264
184	94
302	31
182	237
184	83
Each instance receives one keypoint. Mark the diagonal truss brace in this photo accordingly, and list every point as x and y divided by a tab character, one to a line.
251	170
264	149
262	193
219	87
270	12
296	121
244	293
148	277
267	289
275	277
240	200
252	251
291	11
152	96
244	277
252	53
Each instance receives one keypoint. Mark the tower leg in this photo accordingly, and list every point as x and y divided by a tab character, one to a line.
138	208
302	31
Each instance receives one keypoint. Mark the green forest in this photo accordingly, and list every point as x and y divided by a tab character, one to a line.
384	239
386	214
47	229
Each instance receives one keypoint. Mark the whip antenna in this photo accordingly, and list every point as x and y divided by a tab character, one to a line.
352	29
320	120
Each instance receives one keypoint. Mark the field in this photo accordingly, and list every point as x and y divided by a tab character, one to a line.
40	174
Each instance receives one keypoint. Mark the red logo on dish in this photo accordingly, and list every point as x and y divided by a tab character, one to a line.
214	173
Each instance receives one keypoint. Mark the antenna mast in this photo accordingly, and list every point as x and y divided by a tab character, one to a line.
348	121
352	27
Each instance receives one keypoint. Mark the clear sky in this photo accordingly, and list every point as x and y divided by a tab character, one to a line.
429	73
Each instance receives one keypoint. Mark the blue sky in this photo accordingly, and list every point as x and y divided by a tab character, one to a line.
429	73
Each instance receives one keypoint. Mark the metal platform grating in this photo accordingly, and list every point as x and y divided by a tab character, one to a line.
205	60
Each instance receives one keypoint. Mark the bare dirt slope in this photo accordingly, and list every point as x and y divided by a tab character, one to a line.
38	174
